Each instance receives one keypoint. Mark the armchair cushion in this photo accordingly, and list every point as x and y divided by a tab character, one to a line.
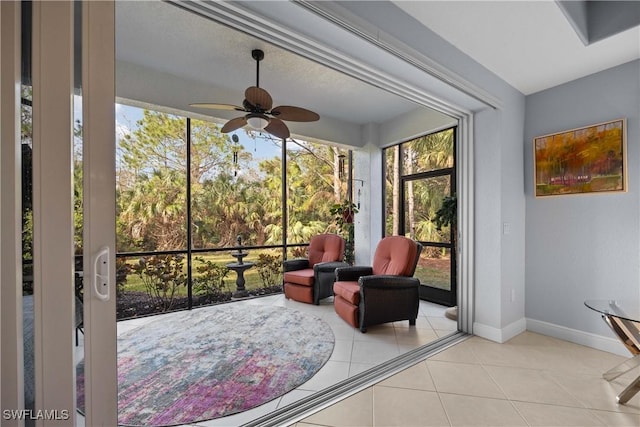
300	277
325	248
349	291
395	256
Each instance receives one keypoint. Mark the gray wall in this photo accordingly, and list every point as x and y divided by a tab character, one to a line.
582	246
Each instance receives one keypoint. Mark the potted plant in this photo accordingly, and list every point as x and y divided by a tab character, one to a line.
344	212
447	215
343	215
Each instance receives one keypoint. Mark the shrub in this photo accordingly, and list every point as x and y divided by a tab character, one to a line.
161	276
269	269
211	280
122	271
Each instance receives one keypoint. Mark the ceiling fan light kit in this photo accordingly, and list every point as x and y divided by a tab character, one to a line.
258	106
257	122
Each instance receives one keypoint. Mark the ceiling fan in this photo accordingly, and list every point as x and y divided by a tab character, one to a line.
258	106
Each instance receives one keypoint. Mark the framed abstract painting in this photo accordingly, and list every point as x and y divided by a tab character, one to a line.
590	159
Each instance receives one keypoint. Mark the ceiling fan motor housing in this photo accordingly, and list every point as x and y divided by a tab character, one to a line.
257	54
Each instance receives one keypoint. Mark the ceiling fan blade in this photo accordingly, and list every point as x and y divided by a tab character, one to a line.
294	114
217	106
276	127
259	98
234	124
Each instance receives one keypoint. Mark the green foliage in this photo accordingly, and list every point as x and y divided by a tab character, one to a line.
154	212
343	212
26	116
27	235
122	271
161	275
343	216
447	215
227	198
269	269
422	197
210	280
152	172
78	208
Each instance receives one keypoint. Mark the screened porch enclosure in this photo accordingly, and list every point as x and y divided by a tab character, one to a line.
186	193
420	203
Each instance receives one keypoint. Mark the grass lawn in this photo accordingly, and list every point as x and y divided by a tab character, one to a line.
431	271
434	272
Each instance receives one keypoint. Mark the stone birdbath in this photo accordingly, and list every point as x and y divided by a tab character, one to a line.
240	267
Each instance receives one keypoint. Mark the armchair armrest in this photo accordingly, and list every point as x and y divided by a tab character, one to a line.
295	264
328	267
388	282
351	274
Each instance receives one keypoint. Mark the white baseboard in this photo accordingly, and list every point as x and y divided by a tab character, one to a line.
599	342
500	335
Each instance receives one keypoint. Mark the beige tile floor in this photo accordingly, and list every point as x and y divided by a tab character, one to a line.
353	353
532	380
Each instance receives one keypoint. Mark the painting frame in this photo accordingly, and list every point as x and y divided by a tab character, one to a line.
586	160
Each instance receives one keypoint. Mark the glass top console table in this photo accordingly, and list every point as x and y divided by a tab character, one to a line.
625	323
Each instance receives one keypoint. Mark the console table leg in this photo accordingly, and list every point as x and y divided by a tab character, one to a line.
629	392
622	368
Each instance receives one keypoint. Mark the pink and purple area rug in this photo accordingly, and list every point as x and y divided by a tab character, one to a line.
208	363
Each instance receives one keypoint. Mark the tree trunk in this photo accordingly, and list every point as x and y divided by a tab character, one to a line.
410	196
337	183
396	190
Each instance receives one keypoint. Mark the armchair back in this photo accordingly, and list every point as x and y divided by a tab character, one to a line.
325	248
396	256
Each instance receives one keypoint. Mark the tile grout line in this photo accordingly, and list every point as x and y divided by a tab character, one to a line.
444	408
515	408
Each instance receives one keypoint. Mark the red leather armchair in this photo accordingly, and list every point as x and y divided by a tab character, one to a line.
384	292
310	280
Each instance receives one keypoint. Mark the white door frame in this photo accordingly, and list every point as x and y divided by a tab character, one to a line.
53	56
99	204
52	74
11	342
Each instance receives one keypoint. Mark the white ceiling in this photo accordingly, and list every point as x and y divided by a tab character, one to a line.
166	38
529	44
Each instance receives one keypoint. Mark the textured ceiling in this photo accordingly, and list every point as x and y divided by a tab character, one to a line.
163	37
529	44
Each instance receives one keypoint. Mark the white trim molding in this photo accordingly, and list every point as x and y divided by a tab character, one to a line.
500	335
599	342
